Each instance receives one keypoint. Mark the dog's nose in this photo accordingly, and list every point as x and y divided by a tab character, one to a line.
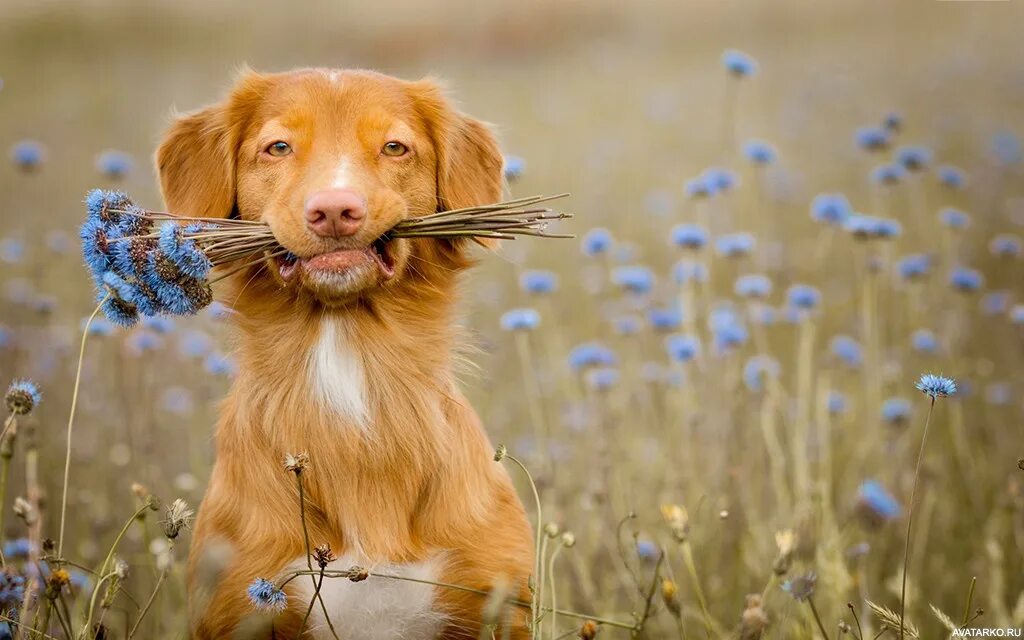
335	213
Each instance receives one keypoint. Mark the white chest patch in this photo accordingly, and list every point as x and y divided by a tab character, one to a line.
376	608
336	373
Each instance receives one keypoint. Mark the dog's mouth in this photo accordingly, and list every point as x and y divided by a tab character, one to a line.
378	254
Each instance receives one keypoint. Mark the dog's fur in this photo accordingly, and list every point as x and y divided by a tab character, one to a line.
351	366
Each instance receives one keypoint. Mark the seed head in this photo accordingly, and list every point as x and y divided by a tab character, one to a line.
500	453
179	516
296	462
568	539
22	396
323	555
358	574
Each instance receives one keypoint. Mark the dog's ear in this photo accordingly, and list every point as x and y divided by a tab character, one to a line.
196	160
469	162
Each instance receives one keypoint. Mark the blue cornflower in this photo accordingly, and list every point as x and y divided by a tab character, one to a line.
924	341
836	403
848	350
6	337
936	386
184	253
176	293
872	138
628	325
888	173
114	164
720	180
120	299
602	378
753	286
591	354
952	177
142	341
665	318
759	152
514	168
802	296
596	242
538	281
914	158
1017	314
194	344
758	369
689	236
100	327
28	155
22	397
1006	148
831	208
1005	245
58	241
914	266
17	548
158	324
738	63
12	589
520	320
633	278
896	410
12	250
698	187
893	121
954	218
107	206
998	393
682	348
96	246
995	303
764	315
265	595
647	550
729	335
686	271
219	364
874	497
177	400
966	280
118	311
735	245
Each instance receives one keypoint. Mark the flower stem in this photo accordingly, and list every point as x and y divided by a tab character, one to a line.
910	519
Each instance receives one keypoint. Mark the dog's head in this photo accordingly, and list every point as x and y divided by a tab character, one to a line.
332	160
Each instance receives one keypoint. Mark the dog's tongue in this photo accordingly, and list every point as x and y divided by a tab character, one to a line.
338	260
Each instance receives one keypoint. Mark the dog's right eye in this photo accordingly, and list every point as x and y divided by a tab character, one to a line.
279	149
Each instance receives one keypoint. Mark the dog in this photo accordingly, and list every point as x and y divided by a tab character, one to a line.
345	350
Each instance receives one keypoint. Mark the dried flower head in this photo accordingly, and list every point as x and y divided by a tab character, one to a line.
23	509
568	539
588	630
358	574
754	620
500	453
786	541
677	519
324	555
670	595
22	397
296	462
179	516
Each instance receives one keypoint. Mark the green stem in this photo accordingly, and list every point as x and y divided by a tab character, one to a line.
817	618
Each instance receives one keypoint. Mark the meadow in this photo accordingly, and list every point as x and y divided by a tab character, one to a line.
786	213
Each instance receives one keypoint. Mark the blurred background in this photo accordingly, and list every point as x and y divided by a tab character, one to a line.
788	451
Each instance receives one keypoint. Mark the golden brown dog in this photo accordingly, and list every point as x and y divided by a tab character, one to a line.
345	352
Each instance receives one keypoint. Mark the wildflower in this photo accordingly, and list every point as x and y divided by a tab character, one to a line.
182	252
602	378
218	311
998	393
28	155
995	303
759	152
500	453
1006	148
727	336
24	510
665	318
588	630
568	539
893	121
114	164
954	218
735	245
875	501
738	63
647	550
177	400
952	177
266	596
698	188
17	548
158	324
1017	314
896	410
686	271
836	403
677	519
195	344
802	296
12	589
22	397
758	369
591	354
914	266
924	341
689	236
785	540
514	167
754	620
12	251
1005	245
801	587
635	279
847	350
753	286
670	596
218	364
323	555
538	281
682	348
179	516
872	138
358	574
627	325
888	174
966	280
936	386
914	158
297	462
520	320
720	180
596	242
831	208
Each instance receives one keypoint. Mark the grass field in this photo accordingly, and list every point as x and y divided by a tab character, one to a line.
701	484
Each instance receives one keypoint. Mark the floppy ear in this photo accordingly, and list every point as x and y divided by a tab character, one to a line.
196	163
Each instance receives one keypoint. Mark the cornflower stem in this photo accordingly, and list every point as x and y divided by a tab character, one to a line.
817	618
533	397
71	423
910	518
551	586
6	453
110	554
152	596
535	600
317	582
805	395
86	626
691	568
649	596
309	560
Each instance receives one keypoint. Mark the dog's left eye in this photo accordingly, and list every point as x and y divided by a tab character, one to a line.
279	149
394	149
